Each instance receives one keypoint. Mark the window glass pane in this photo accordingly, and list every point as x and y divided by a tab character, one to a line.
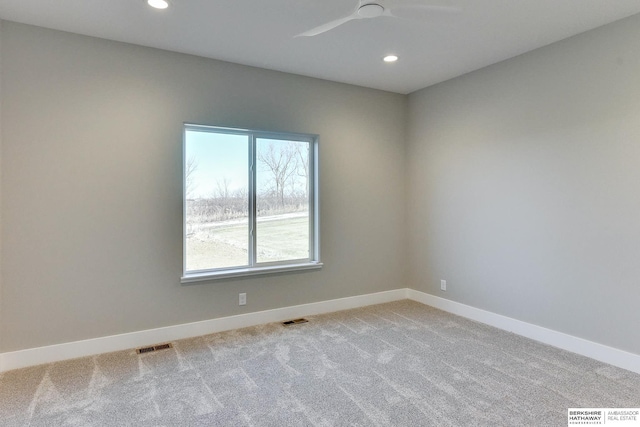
216	200
282	200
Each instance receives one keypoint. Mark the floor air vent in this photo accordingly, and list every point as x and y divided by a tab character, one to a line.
294	322
153	348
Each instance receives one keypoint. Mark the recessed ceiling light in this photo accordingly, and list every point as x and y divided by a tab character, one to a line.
158	4
390	58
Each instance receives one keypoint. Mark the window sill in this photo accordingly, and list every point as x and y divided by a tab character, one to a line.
243	272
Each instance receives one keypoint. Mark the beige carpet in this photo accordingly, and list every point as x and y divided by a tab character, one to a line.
395	364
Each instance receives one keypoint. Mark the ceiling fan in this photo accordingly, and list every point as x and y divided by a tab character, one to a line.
367	9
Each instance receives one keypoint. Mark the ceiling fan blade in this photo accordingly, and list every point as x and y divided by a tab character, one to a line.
328	26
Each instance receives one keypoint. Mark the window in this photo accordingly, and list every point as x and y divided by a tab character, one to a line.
250	202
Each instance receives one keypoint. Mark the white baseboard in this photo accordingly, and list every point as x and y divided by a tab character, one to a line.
90	347
600	352
54	353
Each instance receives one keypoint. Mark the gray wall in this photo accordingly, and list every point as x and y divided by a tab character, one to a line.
91	185
524	183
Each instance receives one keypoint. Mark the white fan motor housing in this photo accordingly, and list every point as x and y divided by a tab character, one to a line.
371	10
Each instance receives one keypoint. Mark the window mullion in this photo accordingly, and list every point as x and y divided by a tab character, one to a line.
252	201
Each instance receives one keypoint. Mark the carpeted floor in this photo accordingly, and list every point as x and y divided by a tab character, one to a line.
395	364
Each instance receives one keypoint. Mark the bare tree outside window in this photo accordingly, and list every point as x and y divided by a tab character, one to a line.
190	169
280	160
302	166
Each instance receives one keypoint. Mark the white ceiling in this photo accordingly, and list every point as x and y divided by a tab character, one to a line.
262	33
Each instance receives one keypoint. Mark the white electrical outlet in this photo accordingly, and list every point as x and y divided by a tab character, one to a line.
242	299
443	285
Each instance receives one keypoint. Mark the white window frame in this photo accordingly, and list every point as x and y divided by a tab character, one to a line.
255	268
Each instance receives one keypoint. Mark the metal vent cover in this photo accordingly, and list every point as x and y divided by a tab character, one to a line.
295	322
143	350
